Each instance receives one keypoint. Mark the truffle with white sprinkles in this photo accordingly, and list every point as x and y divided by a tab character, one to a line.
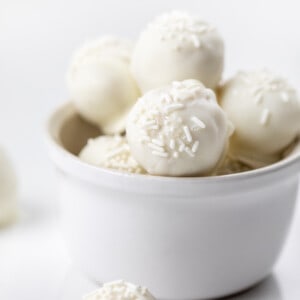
178	130
110	152
178	46
265	110
120	290
100	83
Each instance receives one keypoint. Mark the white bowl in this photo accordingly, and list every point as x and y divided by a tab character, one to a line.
184	238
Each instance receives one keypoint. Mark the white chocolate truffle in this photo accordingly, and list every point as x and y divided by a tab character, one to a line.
8	190
177	46
178	130
120	289
110	152
100	83
265	111
107	46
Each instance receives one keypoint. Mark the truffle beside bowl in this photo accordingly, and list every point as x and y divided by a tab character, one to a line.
183	238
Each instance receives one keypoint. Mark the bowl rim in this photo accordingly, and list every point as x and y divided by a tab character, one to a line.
68	162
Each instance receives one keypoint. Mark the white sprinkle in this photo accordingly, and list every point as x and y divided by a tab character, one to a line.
181	147
173	107
155	147
161	154
175	154
256	90
284	97
258	98
187	134
195	147
189	152
157	142
196	41
264	116
198	122
172	144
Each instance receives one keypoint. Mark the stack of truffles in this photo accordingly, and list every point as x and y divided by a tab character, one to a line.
163	111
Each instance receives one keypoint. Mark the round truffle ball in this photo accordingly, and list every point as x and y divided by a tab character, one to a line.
100	83
120	290
177	46
8	190
110	152
178	130
265	111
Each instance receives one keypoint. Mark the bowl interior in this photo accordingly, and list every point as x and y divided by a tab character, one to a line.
74	133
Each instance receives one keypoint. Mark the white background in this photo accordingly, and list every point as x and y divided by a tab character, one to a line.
36	41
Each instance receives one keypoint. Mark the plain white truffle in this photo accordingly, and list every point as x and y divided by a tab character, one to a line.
120	290
110	152
265	111
178	130
177	46
8	190
101	85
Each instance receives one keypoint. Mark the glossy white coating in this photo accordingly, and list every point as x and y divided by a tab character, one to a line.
100	83
265	110
177	46
178	130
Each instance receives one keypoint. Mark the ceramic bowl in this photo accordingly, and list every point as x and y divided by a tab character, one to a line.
183	238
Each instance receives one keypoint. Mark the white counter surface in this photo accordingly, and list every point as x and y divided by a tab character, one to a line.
36	42
34	264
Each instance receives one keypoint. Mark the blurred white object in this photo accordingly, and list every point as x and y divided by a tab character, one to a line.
120	289
8	189
183	238
178	46
100	83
